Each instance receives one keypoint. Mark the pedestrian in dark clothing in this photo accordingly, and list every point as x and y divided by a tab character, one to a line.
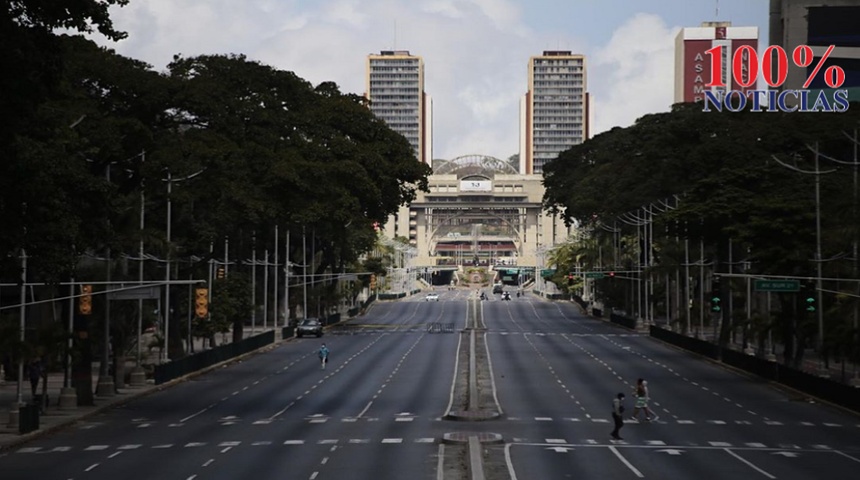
617	415
35	371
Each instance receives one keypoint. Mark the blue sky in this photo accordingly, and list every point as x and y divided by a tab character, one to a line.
475	51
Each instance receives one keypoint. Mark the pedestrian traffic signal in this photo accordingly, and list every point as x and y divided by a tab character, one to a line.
372	281
201	302
85	302
220	273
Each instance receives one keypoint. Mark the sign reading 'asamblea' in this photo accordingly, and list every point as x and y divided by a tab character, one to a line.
476	186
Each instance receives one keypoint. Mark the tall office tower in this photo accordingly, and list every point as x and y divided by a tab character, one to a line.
819	24
554	112
395	88
693	65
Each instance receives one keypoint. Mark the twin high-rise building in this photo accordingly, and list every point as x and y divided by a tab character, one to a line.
554	111
553	114
395	88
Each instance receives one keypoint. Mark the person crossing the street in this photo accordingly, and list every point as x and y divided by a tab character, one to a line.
323	354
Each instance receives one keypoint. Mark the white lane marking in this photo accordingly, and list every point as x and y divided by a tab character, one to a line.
359	440
744	460
229	444
264	442
556	440
331	441
492	375
192	477
366	408
91	467
324	461
543	419
656	442
129	447
425	440
392	440
509	462
144	425
720	444
756	445
114	454
848	456
29	450
208	462
166	445
404	419
454	376
226	449
194	444
282	410
314	475
626	462
294	442
61	449
96	447
194	415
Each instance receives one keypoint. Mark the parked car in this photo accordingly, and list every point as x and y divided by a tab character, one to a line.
431	296
309	326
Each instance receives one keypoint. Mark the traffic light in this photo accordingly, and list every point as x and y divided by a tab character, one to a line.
570	278
220	273
715	302
611	274
809	297
85	302
715	296
201	302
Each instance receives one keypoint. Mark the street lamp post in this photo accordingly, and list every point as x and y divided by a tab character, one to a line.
818	260
170	181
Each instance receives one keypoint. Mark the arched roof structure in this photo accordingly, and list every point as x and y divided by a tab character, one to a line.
474	165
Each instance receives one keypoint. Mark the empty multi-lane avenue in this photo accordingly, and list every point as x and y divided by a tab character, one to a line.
379	410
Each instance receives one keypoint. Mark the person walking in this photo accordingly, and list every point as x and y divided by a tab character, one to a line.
642	397
323	354
34	369
617	415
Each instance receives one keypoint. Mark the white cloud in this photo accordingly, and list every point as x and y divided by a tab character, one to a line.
633	74
475	53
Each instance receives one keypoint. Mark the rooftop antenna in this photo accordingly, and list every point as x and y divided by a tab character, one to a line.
717	9
395	34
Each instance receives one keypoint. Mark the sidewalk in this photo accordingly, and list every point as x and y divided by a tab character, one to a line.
54	417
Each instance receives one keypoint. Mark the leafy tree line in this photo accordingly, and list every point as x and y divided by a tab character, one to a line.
87	135
716	179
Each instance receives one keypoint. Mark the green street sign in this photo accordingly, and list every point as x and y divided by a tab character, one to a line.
594	274
777	285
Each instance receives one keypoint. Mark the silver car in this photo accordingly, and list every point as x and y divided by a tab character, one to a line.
309	326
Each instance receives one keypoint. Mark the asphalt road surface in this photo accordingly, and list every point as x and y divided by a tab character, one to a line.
378	410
